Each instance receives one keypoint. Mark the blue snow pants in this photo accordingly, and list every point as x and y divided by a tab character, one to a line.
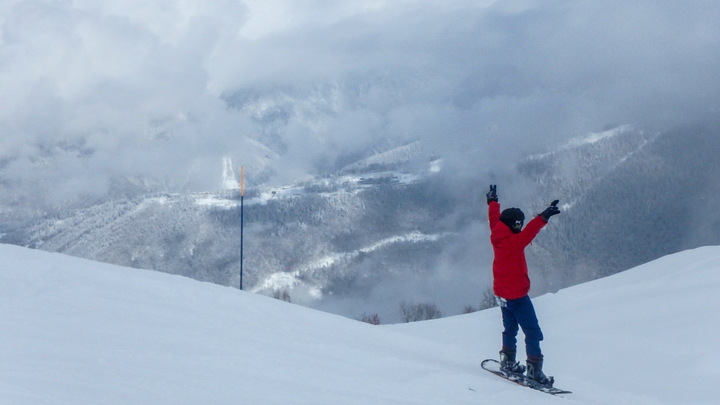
521	313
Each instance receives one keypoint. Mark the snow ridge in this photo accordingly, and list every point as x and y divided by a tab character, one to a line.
289	280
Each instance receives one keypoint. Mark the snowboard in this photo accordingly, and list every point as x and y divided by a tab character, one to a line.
493	366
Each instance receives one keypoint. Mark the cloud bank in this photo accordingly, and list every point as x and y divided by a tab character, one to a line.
93	91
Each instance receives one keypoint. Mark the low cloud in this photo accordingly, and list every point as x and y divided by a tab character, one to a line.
95	90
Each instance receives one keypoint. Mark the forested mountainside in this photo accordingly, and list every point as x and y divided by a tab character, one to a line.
383	230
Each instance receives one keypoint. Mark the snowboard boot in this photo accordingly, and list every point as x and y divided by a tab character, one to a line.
535	373
508	363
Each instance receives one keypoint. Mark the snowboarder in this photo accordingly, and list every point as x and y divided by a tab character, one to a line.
511	284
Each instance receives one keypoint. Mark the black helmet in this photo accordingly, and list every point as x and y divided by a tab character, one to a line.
514	218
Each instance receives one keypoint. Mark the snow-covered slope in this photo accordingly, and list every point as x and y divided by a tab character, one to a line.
81	332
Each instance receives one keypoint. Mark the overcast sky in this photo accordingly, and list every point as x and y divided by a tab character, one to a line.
146	87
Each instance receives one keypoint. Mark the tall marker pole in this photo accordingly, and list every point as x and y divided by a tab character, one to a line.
242	220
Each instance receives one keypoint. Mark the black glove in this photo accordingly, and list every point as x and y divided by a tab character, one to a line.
492	194
550	211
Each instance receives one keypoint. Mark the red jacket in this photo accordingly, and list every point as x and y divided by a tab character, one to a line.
510	272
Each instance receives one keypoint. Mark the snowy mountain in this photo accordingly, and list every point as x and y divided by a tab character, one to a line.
77	331
389	227
312	238
629	197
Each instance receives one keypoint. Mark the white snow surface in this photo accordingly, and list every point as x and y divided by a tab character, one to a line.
81	332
